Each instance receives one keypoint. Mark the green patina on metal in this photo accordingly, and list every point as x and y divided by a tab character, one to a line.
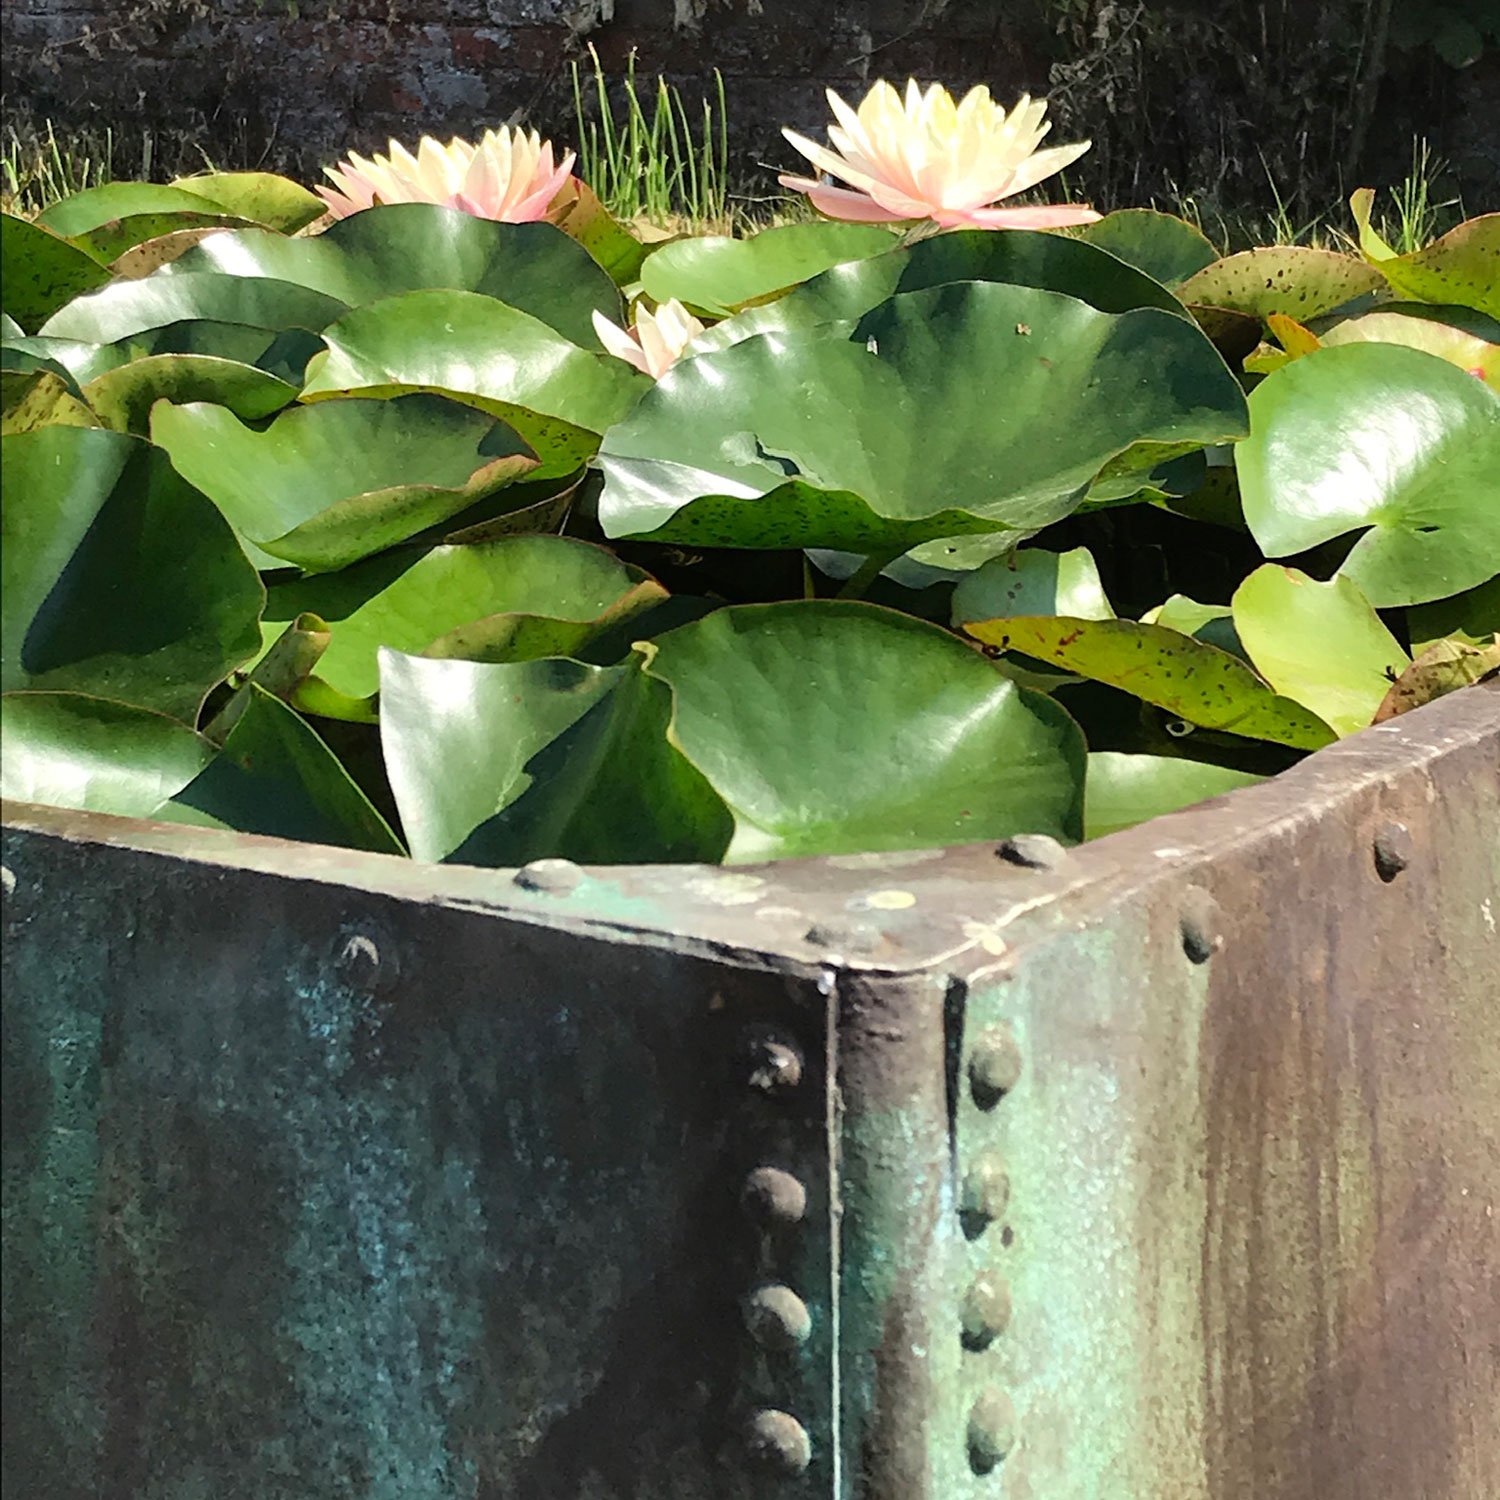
1162	1168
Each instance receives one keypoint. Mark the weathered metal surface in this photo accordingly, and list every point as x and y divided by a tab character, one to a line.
1168	1168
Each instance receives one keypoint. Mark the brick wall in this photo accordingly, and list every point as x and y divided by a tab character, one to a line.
1189	95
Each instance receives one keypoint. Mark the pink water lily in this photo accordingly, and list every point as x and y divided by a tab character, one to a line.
510	175
655	342
926	157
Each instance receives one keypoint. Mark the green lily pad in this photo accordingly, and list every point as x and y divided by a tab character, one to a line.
1442	668
323	486
1207	687
1210	623
284	668
787	709
111	242
261	197
30	399
558	396
410	247
1380	437
123	397
127	308
81	212
120	579
1319	643
502	764
577	211
1463	266
9	328
1472	616
1014	257
41	272
893	437
1032	581
1293	279
275	776
1474	355
1124	790
517	597
717	274
1166	248
71	750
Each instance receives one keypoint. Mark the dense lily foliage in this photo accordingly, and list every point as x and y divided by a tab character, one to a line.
468	526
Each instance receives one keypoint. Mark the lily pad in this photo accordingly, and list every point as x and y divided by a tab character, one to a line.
409	247
893	436
41	272
146	256
30	399
79	213
1389	441
558	396
1472	617
833	728
1319	643
1474	355
1296	280
323	486
275	776
123	397
1442	668
1033	581
1168	249
502	764
519	598
120	579
1210	623
261	197
577	211
1463	266
127	308
1014	257
1124	790
716	274
72	750
1205	686
113	241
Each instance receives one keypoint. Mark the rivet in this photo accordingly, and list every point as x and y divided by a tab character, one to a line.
359	963
985	1311
982	1199
1032	851
773	1198
992	1426
775	1064
777	1317
776	1440
994	1066
847	938
552	877
7	880
1200	925
1393	850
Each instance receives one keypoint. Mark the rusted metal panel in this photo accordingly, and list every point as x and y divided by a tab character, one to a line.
1166	1167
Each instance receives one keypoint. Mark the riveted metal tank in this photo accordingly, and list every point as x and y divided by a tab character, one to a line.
1167	1168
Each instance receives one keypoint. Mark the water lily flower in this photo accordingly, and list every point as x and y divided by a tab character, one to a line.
926	157
510	175
656	340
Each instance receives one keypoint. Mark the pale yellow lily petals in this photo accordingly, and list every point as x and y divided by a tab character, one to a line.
921	155
656	341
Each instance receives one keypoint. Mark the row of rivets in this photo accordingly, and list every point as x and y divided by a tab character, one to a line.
776	1318
994	1070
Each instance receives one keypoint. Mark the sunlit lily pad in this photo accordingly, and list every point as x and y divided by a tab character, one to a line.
1124	790
1388	441
1319	643
1199	683
558	396
517	598
1293	279
1165	247
1033	581
716	274
1463	266
1472	616
80	212
819	440
123	397
120	579
1442	668
408	247
261	197
500	764
41	272
323	486
834	728
30	399
72	750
